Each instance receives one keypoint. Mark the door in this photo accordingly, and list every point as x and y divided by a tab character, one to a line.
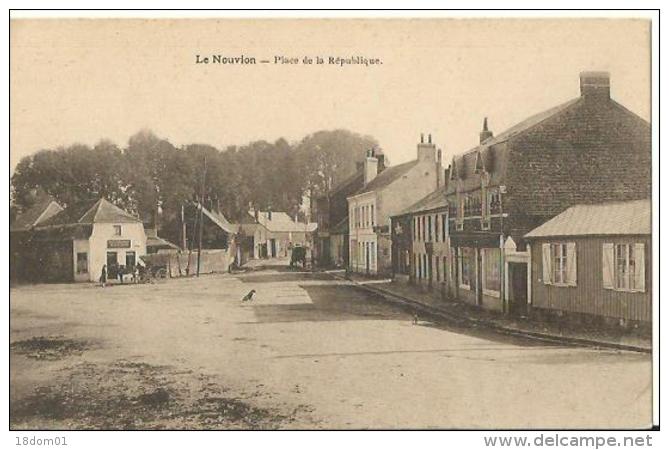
272	246
130	260
112	265
518	289
479	276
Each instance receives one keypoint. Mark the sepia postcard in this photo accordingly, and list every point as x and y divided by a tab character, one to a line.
331	224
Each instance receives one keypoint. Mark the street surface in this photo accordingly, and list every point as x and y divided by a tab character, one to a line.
309	351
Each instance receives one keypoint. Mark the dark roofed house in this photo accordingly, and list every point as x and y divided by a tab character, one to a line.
585	151
43	208
594	261
330	210
75	243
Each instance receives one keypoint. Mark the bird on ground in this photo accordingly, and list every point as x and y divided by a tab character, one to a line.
249	296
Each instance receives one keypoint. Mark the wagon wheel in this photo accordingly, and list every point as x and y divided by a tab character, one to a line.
161	273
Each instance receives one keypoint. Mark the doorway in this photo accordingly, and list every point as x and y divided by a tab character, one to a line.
112	264
518	289
130	260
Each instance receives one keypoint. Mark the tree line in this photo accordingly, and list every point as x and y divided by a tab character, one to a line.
153	178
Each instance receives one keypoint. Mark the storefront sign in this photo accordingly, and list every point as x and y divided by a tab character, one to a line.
118	243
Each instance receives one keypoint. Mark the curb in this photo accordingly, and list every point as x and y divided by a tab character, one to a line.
565	340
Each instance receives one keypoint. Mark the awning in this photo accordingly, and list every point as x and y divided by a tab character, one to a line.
459	239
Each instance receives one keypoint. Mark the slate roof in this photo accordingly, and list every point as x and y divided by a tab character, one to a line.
281	222
386	177
43	209
434	200
615	218
100	211
494	157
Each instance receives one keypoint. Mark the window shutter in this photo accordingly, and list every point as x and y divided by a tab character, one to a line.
571	263
607	265
639	267
546	251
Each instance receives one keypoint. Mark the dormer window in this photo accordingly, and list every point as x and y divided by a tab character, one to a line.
478	166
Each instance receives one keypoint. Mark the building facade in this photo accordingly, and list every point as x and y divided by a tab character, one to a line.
331	213
383	196
594	261
421	243
585	151
275	233
75	243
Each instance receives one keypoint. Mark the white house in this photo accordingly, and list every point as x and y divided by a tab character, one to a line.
74	244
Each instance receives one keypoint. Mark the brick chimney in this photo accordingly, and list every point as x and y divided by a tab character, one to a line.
371	166
595	85
485	134
426	150
378	153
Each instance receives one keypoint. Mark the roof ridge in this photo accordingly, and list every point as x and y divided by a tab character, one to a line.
500	138
95	206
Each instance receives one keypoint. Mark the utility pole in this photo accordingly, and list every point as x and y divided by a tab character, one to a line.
199	239
183	229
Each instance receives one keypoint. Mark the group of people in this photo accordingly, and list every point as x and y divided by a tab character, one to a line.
137	273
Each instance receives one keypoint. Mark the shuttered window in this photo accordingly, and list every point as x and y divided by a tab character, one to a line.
559	265
623	267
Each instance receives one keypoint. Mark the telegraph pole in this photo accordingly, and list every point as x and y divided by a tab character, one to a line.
199	239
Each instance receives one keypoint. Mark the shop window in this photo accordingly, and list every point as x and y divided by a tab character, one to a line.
466	262
491	271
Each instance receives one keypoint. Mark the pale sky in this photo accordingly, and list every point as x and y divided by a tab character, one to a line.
83	80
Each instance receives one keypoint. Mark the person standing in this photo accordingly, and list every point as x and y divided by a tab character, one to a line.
103	276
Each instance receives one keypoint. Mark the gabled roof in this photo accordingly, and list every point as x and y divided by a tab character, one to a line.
281	222
434	200
43	209
220	220
357	176
100	211
616	218
155	241
386	177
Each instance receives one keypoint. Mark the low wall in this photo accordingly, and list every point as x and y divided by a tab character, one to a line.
182	264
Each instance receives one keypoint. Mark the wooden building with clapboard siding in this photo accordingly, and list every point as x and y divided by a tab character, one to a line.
594	260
